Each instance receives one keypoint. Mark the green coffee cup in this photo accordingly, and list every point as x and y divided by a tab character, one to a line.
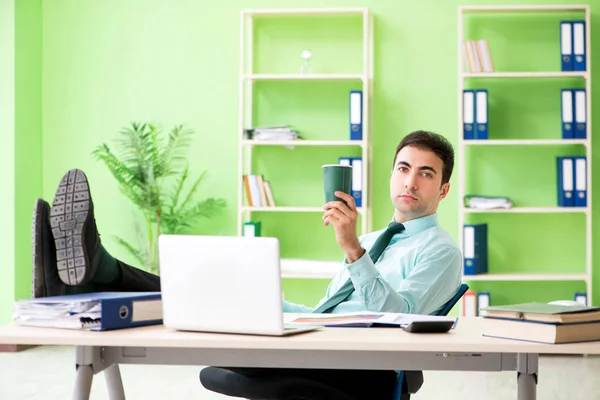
336	177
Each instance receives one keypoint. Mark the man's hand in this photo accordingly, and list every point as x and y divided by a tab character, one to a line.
343	218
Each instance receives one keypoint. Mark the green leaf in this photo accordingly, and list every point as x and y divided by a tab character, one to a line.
193	190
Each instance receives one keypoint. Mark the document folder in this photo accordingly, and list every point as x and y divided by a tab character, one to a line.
356	114
475	249
567	104
565	174
469	114
481	113
357	180
580	178
566	46
98	311
580	111
579	56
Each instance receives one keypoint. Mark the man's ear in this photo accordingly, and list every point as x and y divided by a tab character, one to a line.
444	190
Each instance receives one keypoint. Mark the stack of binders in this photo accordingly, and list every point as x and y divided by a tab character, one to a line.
572	46
574	113
475	114
571	181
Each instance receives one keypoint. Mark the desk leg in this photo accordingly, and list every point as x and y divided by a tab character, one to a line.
527	375
83	382
114	383
526	387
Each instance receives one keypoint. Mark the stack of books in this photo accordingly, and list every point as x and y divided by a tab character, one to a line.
258	191
477	56
543	323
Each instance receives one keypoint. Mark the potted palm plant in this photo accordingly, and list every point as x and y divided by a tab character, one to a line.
152	172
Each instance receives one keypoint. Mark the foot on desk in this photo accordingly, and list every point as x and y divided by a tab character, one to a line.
45	280
80	257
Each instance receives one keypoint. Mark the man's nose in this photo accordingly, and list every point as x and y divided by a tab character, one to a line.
411	181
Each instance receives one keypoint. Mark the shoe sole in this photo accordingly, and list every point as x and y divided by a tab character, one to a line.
68	214
38	287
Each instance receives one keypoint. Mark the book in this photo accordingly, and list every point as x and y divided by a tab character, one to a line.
541	332
362	319
97	311
542	312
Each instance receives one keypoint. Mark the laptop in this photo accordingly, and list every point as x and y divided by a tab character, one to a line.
224	284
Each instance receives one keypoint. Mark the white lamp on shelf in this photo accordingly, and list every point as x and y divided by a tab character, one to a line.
306	68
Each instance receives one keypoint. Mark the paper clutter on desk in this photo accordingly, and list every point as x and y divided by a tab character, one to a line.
363	319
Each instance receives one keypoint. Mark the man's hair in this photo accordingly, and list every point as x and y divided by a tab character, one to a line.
434	142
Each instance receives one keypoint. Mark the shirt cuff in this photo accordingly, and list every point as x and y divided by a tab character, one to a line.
362	271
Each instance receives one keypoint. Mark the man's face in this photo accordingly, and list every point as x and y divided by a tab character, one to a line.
416	183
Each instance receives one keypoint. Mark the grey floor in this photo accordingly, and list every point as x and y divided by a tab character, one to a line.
48	373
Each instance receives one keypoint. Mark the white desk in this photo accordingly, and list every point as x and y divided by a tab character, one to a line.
343	348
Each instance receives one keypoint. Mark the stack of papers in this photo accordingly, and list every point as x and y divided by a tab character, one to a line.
358	319
278	133
91	311
486	202
58	314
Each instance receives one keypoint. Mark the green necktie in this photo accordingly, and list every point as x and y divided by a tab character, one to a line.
347	288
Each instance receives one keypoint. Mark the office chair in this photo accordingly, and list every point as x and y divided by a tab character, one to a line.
230	383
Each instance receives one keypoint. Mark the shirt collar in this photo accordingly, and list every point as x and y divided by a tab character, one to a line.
419	225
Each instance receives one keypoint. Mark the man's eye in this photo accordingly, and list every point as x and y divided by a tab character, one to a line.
427	175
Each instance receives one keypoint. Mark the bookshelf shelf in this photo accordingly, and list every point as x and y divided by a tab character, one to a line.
295	143
479	81
361	210
525	142
526	277
524	8
553	74
528	210
305	77
304	12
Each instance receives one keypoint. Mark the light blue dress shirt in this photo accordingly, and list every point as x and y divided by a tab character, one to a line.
419	271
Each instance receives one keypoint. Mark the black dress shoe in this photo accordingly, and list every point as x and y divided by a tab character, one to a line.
74	229
45	280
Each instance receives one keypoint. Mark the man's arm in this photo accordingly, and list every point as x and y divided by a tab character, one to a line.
296	308
430	284
300	308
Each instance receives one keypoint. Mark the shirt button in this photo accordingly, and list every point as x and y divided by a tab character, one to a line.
358	274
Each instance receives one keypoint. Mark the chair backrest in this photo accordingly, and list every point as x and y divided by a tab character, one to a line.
461	290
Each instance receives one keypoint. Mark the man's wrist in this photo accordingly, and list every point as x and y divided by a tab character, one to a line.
354	255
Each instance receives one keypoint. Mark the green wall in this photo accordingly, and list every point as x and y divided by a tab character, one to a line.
104	64
28	133
7	155
21	142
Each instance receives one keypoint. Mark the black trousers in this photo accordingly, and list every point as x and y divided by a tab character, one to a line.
359	384
132	280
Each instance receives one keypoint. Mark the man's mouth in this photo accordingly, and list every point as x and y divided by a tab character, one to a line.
407	196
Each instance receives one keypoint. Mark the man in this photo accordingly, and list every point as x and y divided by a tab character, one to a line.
413	266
